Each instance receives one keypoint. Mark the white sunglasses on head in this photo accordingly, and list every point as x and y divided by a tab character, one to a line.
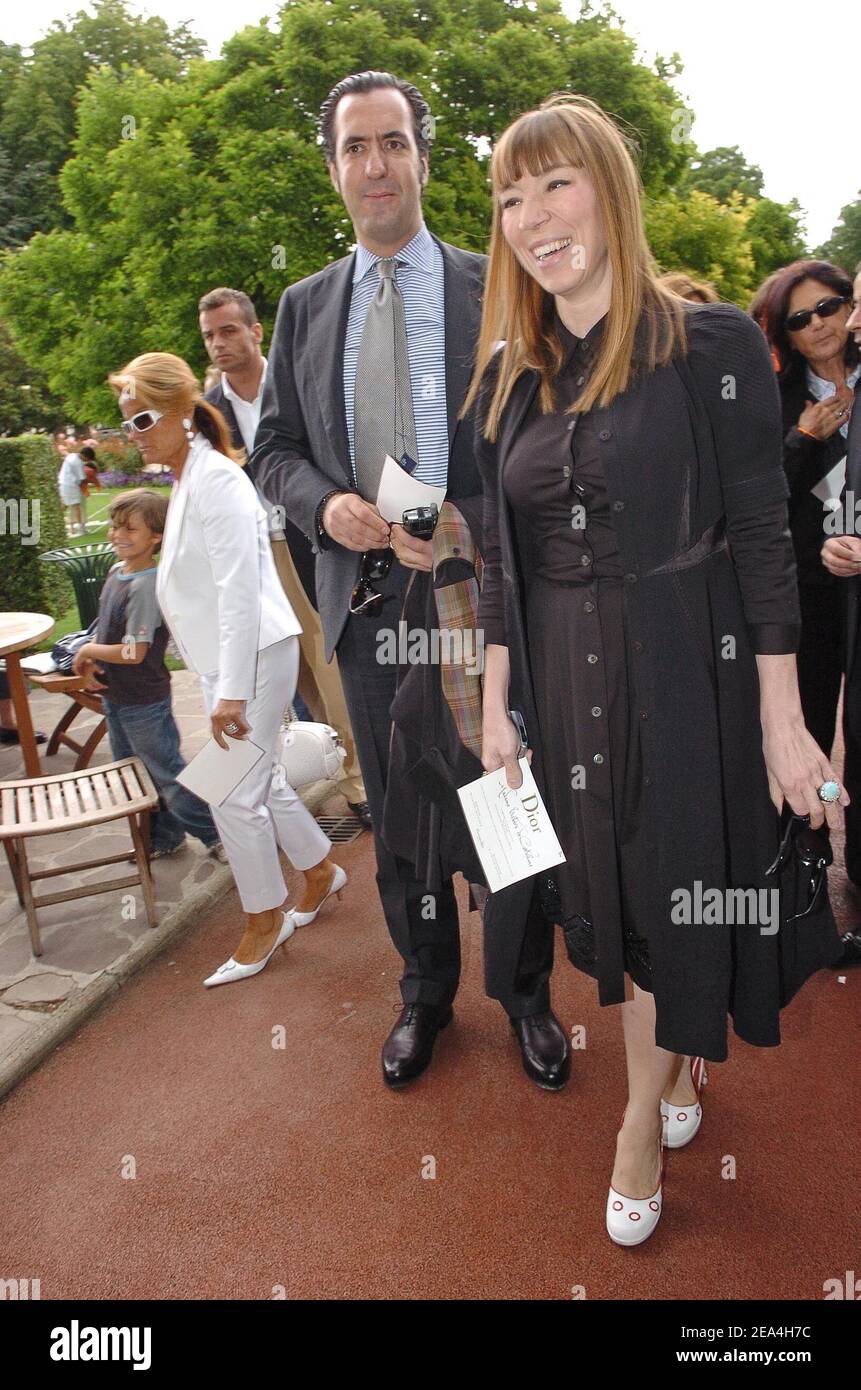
143	421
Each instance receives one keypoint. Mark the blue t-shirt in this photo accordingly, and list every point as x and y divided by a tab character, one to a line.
129	611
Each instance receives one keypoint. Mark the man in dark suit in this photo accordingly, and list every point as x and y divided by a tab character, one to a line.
373	355
842	556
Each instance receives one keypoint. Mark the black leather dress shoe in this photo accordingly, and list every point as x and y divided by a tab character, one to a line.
851	949
362	811
544	1049
409	1047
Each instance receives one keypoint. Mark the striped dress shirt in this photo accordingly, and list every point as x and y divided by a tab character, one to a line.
421	281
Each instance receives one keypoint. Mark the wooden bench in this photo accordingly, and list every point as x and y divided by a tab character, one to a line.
74	801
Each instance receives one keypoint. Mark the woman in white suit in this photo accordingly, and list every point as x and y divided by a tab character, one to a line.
223	602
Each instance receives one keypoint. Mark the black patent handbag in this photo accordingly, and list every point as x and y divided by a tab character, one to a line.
807	934
800	870
808	938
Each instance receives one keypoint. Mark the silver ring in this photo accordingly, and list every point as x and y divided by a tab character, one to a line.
829	791
232	728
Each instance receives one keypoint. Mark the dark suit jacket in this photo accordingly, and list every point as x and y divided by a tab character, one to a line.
806	461
302	448
300	551
853	485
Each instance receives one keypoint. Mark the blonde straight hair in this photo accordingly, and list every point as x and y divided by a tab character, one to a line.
572	129
167	383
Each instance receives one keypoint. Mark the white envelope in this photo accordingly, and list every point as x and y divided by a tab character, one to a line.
510	827
214	772
399	492
829	489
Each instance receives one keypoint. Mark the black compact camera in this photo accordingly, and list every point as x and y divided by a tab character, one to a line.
420	521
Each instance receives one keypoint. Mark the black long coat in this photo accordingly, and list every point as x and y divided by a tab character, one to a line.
852	511
693	449
806	461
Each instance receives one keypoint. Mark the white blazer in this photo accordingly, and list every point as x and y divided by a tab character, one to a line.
217	584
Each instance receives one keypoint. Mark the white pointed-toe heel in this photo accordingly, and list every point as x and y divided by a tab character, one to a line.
232	970
339	879
681	1122
631	1220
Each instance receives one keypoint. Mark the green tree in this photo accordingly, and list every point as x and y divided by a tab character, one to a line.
11	59
844	245
774	231
25	200
704	238
25	402
39	94
776	234
219	179
722	172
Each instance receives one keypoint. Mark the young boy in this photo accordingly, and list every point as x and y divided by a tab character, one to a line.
129	652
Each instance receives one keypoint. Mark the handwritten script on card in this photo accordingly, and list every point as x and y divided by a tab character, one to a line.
510	827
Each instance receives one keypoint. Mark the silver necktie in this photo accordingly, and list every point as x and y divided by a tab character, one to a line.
383	419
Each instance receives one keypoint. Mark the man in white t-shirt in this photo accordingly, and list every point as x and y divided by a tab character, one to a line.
69	480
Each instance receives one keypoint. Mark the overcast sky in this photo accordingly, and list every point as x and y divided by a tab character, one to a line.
753	77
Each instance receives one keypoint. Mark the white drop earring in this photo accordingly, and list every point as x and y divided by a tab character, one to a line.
189	432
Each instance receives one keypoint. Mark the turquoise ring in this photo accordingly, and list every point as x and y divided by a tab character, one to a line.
829	791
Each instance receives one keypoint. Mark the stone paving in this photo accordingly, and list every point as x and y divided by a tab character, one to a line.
91	945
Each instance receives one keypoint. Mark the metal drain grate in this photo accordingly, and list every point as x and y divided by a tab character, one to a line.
340	829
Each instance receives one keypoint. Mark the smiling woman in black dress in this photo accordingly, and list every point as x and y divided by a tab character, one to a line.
640	607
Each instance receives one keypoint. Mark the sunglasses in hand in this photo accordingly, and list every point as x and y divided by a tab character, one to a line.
375	565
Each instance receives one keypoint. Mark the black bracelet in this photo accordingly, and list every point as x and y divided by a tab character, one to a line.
323	535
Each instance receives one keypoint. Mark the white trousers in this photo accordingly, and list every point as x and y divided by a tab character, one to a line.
258	815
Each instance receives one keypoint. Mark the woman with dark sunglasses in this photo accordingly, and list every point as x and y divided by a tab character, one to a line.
803	311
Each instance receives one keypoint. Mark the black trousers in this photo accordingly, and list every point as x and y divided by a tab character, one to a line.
424	927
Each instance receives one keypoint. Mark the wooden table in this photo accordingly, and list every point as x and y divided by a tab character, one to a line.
18	631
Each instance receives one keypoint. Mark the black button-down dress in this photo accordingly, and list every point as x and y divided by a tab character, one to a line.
633	638
584	666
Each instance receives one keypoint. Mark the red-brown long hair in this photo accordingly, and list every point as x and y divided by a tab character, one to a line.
572	129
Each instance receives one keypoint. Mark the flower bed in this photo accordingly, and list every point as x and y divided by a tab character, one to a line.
111	479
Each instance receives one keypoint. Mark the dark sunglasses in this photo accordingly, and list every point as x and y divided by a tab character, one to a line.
375	566
825	309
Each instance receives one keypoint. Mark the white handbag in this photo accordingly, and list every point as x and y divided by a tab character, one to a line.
309	752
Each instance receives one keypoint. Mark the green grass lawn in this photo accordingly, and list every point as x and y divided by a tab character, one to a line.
98	506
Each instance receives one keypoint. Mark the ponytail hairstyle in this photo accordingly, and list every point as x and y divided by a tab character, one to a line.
167	383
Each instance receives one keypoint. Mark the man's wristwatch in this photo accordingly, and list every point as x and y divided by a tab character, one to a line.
323	536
